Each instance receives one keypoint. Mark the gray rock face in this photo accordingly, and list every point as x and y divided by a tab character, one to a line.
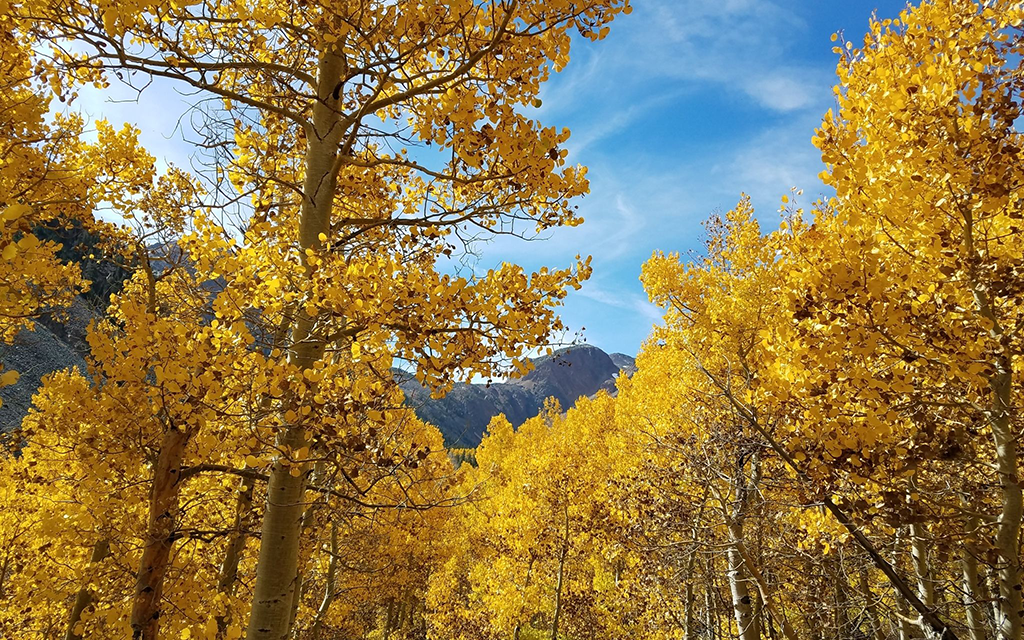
624	362
626	365
567	374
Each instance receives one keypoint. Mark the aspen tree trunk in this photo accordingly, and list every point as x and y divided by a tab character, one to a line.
922	567
400	621
688	611
810	614
277	568
389	619
762	607
83	598
227	580
1010	621
236	541
923	571
906	628
972	586
526	585
902	610
766	595
758	613
871	606
163	513
742	604
307	522
418	619
992	585
769	622
929	616
1008	532
688	597
561	576
841	599
710	617
778	608
329	592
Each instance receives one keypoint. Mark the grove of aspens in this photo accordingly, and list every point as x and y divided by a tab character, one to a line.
820	441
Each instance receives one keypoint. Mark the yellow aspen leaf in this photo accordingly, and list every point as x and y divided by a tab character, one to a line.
16	211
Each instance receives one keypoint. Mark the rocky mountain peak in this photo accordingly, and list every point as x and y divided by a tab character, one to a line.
567	374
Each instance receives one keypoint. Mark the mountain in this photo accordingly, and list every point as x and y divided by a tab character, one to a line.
58	342
53	344
57	339
624	362
462	415
567	374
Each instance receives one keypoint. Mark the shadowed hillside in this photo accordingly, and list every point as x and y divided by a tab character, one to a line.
567	374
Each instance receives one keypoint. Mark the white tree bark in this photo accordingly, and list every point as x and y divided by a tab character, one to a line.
329	590
277	569
561	576
1010	620
1011	608
922	571
972	587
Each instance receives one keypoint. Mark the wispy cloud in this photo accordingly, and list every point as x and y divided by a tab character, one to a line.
736	46
778	158
780	91
684	106
615	122
622	299
627	224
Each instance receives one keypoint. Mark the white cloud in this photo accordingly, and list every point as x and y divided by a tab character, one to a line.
738	47
615	122
781	92
622	299
624	227
775	160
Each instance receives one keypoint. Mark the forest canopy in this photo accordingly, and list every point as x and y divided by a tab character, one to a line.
820	439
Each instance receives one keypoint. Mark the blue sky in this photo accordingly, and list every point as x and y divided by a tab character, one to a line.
686	104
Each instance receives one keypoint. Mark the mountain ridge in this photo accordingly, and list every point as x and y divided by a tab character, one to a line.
567	374
57	342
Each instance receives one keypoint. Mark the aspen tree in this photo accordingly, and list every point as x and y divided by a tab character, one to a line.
925	168
366	137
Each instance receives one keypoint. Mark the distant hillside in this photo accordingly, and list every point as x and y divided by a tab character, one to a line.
624	362
567	374
462	415
52	346
58	342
